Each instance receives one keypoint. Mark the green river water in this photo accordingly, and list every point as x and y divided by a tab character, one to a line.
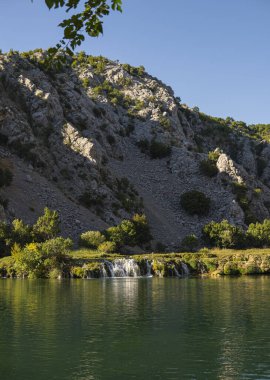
135	328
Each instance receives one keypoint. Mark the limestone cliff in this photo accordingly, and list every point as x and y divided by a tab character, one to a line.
100	141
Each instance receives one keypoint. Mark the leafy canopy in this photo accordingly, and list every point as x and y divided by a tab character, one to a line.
86	21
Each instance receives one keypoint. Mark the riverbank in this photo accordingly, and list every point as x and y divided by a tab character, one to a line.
216	262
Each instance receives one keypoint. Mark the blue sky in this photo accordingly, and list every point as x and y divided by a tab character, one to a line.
215	54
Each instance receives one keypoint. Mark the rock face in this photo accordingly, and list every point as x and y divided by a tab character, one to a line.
100	141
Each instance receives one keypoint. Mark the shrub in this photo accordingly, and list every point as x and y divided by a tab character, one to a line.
195	202
224	235
86	82
89	199
143	145
258	234
130	232
107	247
136	71
208	168
190	243
158	149
92	239
6	177
165	122
240	190
261	165
56	248
40	259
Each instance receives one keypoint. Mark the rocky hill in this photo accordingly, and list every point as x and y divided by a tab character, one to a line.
99	141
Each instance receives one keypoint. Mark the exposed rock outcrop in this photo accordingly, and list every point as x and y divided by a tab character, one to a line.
89	141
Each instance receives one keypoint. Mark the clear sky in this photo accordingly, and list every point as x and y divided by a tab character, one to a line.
215	54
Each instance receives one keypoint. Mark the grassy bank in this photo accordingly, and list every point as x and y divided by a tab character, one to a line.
85	263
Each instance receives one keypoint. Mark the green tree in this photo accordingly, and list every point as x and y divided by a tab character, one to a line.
47	225
88	21
20	232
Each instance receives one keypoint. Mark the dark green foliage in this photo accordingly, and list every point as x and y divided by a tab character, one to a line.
99	112
114	95
241	192
190	243
195	203
128	196
135	71
110	139
89	199
158	149
262	131
165	122
261	165
143	145
130	232
6	177
5	239
224	235
208	168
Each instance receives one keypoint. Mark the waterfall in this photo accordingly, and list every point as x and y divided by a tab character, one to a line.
148	269
185	270
126	267
176	272
122	268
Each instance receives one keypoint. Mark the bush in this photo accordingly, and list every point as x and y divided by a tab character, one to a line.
136	71
224	235
190	243
195	202
130	232
159	150
258	234
6	177
107	247
40	259
208	168
143	145
92	239
88	199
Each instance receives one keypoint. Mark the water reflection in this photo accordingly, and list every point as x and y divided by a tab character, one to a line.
135	328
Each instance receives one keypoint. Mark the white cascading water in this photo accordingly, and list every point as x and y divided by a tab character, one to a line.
129	268
185	269
122	268
148	269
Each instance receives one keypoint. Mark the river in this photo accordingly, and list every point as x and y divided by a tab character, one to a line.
135	328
